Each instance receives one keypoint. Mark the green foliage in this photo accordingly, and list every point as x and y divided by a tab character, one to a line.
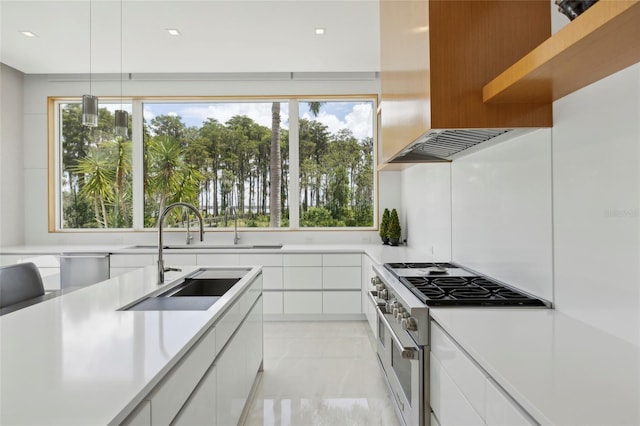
394	229
213	166
384	224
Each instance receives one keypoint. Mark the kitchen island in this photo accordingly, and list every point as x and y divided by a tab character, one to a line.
79	359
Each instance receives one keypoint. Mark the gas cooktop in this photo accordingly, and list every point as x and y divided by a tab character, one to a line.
446	284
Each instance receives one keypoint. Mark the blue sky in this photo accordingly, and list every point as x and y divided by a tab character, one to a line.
356	116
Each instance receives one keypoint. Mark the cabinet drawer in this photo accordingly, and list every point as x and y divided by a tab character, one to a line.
131	260
273	302
10	259
200	409
302	278
302	260
261	259
171	259
302	302
344	259
447	402
342	277
462	370
173	391
501	410
141	416
218	259
228	324
341	302
272	277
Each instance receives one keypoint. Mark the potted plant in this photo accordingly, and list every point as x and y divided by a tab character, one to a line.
384	227
394	230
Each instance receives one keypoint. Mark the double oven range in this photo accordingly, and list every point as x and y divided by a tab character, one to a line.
402	295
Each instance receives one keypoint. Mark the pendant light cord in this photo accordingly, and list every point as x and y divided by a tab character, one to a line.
121	46
90	43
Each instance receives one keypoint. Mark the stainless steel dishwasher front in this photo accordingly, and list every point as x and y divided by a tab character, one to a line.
83	269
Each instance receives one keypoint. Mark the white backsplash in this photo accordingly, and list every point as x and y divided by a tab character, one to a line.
596	193
501	212
426	212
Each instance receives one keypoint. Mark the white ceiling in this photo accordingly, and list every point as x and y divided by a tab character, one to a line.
217	36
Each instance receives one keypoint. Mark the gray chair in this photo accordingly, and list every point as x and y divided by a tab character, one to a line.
18	284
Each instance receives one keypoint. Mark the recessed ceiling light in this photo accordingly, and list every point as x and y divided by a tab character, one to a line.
173	31
28	34
319	31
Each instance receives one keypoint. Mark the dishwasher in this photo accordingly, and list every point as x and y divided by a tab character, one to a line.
83	269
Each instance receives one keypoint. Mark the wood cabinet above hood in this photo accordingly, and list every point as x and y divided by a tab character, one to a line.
436	56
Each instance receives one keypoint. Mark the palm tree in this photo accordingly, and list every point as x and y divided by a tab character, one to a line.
99	175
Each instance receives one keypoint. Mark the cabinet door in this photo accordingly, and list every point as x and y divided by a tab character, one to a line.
200	408
342	277
302	302
218	259
272	277
302	278
342	259
141	416
341	302
302	260
273	302
230	394
501	410
447	402
464	372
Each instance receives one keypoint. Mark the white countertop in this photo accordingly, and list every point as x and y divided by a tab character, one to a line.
77	360
378	252
560	370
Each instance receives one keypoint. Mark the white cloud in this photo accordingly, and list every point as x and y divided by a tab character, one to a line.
258	112
359	121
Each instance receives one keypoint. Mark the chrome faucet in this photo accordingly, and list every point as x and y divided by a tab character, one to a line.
161	268
231	209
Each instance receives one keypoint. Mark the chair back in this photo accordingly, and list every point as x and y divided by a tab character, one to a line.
19	283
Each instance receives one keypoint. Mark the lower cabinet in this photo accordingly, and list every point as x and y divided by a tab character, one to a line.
211	384
462	393
302	302
200	408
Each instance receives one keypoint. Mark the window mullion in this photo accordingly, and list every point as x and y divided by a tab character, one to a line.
294	165
137	160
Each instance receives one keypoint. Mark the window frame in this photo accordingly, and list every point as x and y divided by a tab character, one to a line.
55	158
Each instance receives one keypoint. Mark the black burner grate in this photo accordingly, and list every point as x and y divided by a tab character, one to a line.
465	291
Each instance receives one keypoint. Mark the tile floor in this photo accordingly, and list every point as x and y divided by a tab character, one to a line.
320	373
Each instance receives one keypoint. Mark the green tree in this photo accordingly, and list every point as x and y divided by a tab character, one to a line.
99	174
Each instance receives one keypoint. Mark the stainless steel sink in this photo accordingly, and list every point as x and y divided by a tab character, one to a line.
197	292
210	247
201	287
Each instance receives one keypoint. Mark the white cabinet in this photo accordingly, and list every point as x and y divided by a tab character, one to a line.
447	402
123	263
302	302
341	302
501	410
177	385
273	302
48	265
200	409
342	277
218	259
462	393
302	278
141	416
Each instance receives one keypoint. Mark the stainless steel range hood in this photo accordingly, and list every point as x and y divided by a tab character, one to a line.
445	145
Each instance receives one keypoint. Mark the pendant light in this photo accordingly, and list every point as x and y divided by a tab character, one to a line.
121	116
90	102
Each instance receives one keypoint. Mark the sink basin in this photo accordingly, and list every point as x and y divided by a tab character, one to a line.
197	292
201	287
192	303
210	247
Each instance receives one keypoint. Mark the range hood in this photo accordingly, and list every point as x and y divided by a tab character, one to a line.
444	145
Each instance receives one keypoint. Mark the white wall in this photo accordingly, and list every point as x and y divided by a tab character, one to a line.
556	212
596	197
426	209
11	157
501	214
39	87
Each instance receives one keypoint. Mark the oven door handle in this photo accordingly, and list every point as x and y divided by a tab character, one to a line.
407	352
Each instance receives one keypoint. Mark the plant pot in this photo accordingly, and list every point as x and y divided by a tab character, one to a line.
394	241
385	240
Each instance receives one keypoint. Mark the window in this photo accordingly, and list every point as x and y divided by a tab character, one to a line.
217	155
95	171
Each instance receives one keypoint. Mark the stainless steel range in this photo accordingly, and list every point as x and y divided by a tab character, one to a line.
402	297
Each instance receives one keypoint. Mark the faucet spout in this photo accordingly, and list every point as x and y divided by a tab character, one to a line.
234	211
161	268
